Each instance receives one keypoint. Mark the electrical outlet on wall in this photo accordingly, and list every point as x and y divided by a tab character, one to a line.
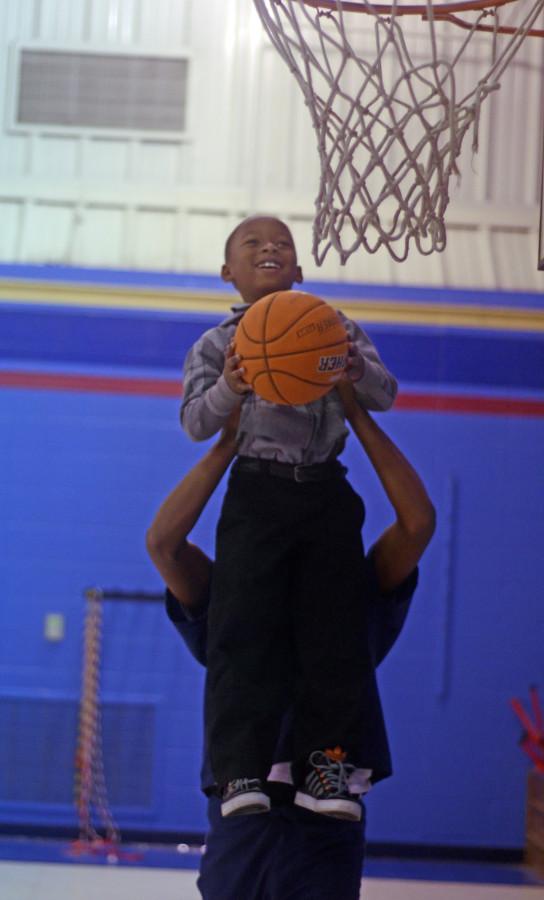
54	627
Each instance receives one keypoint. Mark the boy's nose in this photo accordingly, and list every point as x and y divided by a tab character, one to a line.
269	245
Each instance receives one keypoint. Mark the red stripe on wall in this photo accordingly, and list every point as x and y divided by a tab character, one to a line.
462	403
162	387
96	384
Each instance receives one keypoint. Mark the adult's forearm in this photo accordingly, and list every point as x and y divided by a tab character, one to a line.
399	548
400	481
182	508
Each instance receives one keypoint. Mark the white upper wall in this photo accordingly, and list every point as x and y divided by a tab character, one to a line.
168	202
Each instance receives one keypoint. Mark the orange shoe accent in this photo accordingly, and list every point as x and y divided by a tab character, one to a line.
337	755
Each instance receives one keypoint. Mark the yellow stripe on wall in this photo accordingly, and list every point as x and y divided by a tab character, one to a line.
110	297
449	315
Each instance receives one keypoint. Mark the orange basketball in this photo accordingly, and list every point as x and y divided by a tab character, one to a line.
293	346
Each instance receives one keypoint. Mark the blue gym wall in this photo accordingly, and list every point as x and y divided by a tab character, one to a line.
91	444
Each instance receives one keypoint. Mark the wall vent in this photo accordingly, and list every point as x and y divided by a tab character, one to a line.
38	746
88	90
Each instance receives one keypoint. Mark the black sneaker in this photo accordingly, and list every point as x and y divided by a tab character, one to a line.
325	788
244	796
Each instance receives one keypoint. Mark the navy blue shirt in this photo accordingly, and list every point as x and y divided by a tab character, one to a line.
386	617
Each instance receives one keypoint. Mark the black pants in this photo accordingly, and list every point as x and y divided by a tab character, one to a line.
287	623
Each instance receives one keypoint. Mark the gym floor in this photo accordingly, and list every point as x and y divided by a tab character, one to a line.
32	869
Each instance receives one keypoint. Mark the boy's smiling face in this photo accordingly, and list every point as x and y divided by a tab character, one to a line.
261	258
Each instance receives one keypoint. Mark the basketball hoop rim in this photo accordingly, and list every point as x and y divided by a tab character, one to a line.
412	9
444	12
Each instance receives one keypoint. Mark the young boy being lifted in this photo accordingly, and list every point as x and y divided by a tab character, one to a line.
288	549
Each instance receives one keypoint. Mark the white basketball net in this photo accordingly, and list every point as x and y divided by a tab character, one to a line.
388	117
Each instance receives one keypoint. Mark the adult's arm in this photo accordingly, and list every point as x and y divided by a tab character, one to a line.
184	567
399	548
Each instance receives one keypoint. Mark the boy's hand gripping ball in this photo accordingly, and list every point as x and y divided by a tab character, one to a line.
294	347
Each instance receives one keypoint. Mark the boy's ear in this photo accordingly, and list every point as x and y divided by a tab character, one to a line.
299	277
226	273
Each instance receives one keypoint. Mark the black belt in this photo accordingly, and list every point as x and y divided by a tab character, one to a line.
316	472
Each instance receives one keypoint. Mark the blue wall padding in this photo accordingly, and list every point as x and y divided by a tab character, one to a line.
161	340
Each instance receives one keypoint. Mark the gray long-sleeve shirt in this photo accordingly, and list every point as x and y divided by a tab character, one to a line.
301	435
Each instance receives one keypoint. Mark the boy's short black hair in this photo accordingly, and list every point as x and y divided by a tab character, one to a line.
234	232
